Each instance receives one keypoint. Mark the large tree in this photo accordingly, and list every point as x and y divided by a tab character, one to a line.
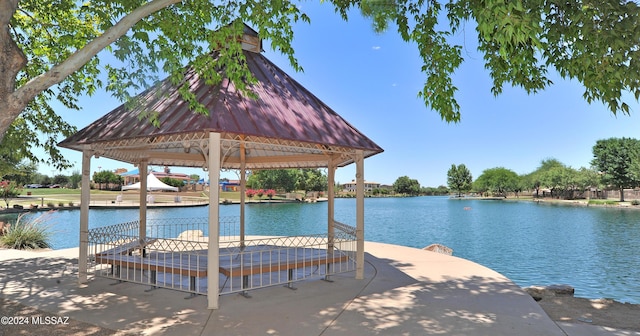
406	185
108	178
312	180
498	181
278	179
50	49
459	178
561	180
587	179
618	160
22	173
535	179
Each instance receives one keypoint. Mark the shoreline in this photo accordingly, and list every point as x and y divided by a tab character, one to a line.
563	303
565	311
597	312
550	201
548	290
128	205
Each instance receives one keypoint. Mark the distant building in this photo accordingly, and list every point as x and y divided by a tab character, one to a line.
229	185
120	171
368	186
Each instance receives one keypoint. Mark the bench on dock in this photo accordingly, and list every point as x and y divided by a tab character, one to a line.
189	267
195	265
247	270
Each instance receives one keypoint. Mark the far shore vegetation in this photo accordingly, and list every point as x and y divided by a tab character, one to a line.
614	173
599	184
604	184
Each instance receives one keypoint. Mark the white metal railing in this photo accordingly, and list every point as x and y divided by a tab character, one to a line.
174	255
165	228
347	229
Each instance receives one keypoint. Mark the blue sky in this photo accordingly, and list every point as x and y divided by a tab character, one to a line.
372	81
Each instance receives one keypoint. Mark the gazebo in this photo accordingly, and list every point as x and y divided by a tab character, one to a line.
284	126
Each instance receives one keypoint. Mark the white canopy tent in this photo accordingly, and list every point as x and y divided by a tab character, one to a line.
153	184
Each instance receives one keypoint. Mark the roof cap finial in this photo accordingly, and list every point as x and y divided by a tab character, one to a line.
250	40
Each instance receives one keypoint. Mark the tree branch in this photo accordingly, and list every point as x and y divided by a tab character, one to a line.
12	59
23	95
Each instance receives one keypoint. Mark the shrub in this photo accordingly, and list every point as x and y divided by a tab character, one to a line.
635	202
70	203
60	204
8	190
50	205
25	234
172	182
270	193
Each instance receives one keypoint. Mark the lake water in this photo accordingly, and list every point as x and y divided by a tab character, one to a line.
593	249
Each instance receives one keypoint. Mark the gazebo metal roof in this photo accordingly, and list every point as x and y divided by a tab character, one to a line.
286	126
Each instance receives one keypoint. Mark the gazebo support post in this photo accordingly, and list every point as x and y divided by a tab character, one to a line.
85	199
359	214
243	188
331	176
213	253
142	170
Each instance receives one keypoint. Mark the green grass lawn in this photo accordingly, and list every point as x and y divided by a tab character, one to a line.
603	202
49	191
57	196
230	195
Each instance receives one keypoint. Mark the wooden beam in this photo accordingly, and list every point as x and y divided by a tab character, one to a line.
197	157
280	159
336	159
236	160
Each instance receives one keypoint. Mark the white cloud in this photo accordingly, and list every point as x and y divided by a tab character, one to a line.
376	47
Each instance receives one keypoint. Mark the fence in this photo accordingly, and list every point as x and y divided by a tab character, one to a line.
174	255
629	194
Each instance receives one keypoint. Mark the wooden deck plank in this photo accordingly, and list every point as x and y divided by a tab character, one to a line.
281	266
251	262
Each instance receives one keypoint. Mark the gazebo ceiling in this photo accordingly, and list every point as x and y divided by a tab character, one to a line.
285	127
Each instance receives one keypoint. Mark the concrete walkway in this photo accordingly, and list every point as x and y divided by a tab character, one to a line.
406	291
